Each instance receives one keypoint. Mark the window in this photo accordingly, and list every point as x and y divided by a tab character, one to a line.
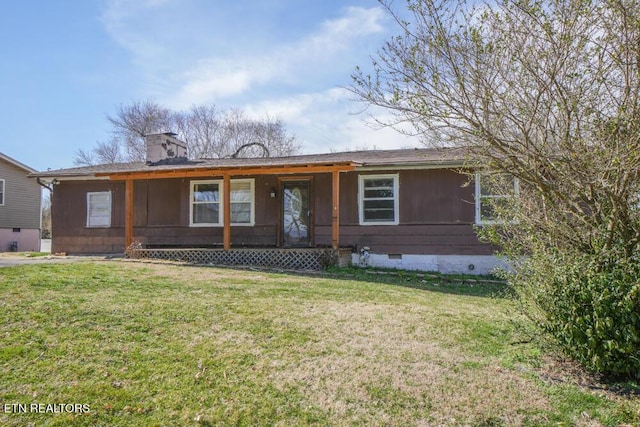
378	199
1	192
493	192
207	203
242	196
99	209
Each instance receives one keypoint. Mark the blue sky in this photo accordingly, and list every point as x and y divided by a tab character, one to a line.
67	64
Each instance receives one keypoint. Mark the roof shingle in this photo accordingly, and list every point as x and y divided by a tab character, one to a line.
371	158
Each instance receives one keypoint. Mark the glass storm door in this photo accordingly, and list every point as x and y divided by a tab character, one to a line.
296	213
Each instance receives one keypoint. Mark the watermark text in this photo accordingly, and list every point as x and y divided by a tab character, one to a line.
44	408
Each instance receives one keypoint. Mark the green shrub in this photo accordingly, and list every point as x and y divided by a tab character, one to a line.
591	307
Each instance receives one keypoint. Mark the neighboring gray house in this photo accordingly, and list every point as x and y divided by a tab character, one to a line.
20	207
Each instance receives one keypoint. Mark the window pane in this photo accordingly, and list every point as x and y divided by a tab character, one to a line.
206	213
206	193
240	213
492	207
496	185
378	188
378	182
96	210
240	191
378	193
99	210
487	212
379	210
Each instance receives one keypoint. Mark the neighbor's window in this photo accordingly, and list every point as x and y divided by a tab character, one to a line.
207	203
242	201
99	209
493	193
378	199
1	192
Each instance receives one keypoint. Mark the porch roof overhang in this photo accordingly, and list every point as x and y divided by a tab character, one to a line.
282	169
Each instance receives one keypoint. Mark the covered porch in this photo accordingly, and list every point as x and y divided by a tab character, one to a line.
226	251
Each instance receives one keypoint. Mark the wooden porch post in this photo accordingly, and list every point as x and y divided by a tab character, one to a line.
335	216
226	199
128	216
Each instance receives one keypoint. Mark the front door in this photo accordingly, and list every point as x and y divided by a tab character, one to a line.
296	213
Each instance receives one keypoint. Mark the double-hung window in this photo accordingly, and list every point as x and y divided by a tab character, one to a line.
207	203
378	199
205	206
493	194
2	192
99	209
242	202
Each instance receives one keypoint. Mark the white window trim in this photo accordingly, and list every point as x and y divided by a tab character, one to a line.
91	193
220	183
396	197
478	195
220	201
3	187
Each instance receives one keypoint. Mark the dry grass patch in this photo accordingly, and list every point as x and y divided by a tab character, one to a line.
378	362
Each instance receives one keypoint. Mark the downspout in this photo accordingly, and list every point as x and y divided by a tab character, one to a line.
44	185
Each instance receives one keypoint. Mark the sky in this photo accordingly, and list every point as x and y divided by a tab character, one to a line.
66	65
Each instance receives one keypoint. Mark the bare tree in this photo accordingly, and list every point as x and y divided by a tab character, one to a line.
85	158
46	215
103	152
272	133
549	92
207	131
137	119
546	91
201	128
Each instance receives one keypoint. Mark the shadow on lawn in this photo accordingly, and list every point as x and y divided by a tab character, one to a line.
455	284
478	286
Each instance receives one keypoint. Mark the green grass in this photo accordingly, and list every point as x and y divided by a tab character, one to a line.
155	344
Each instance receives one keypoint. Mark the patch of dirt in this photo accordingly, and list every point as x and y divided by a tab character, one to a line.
557	369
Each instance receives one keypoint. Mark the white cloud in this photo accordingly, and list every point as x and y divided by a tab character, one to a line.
120	20
289	64
330	120
338	34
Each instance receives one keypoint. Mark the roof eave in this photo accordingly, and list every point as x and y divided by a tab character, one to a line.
230	170
453	164
17	163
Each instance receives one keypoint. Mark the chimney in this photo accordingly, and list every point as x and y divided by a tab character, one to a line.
163	148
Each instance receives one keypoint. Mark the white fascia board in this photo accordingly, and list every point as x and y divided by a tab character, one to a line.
411	167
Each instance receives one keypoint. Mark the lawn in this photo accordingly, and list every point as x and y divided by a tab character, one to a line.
126	343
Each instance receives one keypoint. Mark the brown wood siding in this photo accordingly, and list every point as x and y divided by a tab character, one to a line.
436	208
437	196
434	239
436	215
165	204
322	203
69	218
